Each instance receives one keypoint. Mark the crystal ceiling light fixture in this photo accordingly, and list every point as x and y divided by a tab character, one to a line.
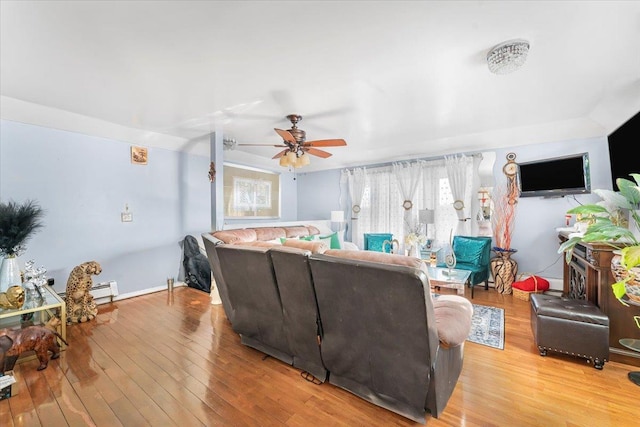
508	56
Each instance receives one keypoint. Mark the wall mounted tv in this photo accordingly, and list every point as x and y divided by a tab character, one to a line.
623	159
555	177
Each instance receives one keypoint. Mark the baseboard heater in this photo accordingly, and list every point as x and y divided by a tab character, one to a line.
101	292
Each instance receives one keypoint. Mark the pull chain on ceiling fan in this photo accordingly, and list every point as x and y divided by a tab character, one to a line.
296	147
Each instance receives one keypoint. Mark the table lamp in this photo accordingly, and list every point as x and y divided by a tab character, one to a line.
426	217
337	218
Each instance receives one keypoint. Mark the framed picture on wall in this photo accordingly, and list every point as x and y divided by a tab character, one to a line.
250	192
139	155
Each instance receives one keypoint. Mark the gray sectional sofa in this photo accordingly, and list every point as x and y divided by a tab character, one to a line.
363	321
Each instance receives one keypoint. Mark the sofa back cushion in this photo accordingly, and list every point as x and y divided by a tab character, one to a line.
316	246
233	236
253	292
379	328
381	257
269	233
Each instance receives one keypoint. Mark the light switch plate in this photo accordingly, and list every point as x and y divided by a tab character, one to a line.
126	216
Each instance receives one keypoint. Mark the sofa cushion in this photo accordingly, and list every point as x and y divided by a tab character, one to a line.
380	257
269	233
316	247
453	318
313	229
296	231
239	235
257	244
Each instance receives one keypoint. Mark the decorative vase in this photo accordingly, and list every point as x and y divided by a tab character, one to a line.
504	269
9	273
619	273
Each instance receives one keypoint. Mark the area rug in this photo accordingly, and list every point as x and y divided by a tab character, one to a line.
487	326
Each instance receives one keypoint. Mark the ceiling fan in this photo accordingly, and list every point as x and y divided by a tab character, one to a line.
296	147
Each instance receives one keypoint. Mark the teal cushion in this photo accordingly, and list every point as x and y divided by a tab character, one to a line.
309	238
468	250
332	240
374	242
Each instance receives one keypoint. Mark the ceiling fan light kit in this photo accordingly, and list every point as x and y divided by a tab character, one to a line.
508	56
296	148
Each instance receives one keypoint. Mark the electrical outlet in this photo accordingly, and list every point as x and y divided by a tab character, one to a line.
126	216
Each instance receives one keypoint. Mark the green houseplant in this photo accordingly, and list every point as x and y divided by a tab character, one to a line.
18	222
607	223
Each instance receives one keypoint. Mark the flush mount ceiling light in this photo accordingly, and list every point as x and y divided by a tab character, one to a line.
508	56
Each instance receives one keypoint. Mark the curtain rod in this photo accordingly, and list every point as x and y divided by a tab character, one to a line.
379	166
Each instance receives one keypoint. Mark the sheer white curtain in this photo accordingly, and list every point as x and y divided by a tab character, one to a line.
436	195
381	203
356	181
407	178
459	169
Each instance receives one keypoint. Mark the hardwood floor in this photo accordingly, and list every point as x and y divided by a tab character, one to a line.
163	359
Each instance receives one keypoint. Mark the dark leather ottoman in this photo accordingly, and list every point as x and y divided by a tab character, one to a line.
570	326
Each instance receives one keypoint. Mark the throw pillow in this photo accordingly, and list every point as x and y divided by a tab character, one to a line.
332	240
309	238
529	284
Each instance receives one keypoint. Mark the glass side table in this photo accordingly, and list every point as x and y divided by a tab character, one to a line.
38	309
634	345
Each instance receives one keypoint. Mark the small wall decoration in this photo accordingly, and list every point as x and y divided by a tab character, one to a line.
212	172
138	155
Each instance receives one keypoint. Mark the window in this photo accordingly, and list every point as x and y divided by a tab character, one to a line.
250	192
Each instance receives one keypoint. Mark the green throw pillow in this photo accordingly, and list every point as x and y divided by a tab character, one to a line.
308	238
334	240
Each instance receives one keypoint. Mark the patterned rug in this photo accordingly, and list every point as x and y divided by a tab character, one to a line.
487	326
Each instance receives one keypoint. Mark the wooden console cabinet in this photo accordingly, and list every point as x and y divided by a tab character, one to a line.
588	276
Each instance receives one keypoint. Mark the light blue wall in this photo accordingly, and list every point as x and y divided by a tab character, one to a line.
319	194
537	218
534	234
83	183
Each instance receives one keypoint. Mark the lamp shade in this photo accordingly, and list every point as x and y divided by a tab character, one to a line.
337	216
426	216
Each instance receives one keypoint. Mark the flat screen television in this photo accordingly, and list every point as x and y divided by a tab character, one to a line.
623	160
555	177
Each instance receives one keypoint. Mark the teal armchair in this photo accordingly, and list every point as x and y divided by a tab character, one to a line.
375	242
473	254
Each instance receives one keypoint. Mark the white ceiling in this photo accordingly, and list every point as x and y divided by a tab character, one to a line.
395	79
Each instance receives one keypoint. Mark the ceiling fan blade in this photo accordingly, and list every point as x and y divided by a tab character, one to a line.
325	143
286	135
316	152
280	154
261	145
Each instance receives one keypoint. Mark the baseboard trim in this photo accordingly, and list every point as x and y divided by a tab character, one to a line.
137	293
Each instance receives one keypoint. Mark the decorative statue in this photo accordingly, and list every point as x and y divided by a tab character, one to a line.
197	270
212	172
41	339
80	304
13	298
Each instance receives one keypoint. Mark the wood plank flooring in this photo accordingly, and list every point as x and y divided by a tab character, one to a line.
172	359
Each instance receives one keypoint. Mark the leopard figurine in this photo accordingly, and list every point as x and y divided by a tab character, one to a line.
80	304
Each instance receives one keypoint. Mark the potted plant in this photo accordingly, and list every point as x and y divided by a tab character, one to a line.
18	222
607	223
